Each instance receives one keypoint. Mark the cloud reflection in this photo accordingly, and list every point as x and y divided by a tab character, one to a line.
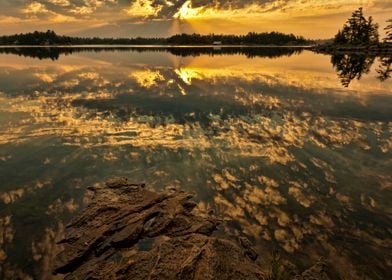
282	151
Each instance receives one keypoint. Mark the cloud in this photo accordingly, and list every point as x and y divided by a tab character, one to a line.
142	8
83	10
35	8
10	20
61	3
125	17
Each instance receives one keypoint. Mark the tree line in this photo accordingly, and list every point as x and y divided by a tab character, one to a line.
252	38
51	38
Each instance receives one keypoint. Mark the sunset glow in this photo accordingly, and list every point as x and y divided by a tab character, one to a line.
186	11
164	18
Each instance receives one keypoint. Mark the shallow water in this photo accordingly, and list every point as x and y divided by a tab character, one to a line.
291	153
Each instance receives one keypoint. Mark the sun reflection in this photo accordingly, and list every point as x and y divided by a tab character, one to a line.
147	78
187	74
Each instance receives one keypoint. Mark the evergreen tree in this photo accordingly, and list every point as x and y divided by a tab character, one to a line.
358	30
371	32
340	38
388	30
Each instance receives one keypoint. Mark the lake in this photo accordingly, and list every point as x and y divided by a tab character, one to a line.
288	146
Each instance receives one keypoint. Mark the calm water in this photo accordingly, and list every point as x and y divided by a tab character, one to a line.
292	150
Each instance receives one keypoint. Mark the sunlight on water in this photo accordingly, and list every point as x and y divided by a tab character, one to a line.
288	151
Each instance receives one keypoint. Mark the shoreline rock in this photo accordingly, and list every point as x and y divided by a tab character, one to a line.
129	232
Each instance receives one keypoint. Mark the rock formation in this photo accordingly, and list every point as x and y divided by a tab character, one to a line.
128	232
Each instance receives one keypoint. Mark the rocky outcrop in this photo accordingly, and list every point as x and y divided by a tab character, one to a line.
128	232
316	272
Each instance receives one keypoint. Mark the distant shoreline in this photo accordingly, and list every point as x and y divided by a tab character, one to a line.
50	38
156	46
381	49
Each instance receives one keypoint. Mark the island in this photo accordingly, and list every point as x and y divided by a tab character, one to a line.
359	35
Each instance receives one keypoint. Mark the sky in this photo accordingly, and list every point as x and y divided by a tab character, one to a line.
315	19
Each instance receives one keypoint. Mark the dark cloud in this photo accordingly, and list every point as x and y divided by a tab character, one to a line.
155	17
169	9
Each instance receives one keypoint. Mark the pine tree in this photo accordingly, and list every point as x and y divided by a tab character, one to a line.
388	30
358	30
371	32
340	38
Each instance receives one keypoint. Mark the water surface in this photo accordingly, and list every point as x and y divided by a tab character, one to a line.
288	146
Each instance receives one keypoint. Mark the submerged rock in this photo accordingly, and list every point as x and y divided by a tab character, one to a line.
128	232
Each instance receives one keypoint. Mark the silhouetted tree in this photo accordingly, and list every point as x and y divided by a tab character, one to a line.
388	30
340	39
358	30
371	35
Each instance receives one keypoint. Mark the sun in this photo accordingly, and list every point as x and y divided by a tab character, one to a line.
186	11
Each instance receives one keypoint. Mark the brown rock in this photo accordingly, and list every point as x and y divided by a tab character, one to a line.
128	232
316	272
